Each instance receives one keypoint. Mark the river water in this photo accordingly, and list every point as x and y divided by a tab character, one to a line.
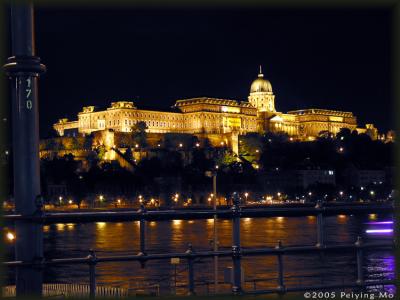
260	272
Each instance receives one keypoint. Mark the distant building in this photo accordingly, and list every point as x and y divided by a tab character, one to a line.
298	179
389	137
54	191
210	116
361	178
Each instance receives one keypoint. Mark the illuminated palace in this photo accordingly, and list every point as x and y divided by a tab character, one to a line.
217	117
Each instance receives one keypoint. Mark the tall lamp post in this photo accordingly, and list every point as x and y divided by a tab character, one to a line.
23	69
213	174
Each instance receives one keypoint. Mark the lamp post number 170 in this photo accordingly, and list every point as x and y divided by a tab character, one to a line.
28	93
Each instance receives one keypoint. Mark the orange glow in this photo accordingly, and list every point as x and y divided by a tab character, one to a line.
100	225
10	236
176	222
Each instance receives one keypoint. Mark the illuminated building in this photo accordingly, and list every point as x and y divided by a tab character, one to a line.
217	119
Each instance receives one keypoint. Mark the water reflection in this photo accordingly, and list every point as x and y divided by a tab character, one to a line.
74	240
177	222
380	228
60	227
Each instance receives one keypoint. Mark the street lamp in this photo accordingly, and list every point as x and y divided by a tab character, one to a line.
246	195
175	198
10	236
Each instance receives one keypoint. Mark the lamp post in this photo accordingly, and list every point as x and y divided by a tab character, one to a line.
213	174
23	69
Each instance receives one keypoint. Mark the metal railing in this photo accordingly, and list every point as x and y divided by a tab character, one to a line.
236	252
71	290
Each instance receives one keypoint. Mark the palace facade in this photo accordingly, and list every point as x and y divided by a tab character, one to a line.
212	116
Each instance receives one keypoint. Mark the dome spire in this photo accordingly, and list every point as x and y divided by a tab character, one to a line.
260	74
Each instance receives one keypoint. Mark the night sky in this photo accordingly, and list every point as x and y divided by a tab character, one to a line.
331	59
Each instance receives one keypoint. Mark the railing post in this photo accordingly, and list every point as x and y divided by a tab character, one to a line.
92	273
360	273
320	225
142	225
191	270
281	284
236	249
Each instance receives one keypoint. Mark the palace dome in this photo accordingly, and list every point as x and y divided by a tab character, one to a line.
261	84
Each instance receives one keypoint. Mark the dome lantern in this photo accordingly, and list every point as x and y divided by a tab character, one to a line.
261	85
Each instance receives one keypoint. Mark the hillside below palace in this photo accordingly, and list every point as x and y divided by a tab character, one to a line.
212	116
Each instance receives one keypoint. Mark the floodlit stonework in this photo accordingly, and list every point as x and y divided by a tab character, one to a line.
212	116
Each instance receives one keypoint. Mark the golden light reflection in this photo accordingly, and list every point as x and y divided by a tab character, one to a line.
247	220
176	222
152	223
46	228
372	216
280	219
210	220
311	219
342	219
60	227
101	225
70	226
191	222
